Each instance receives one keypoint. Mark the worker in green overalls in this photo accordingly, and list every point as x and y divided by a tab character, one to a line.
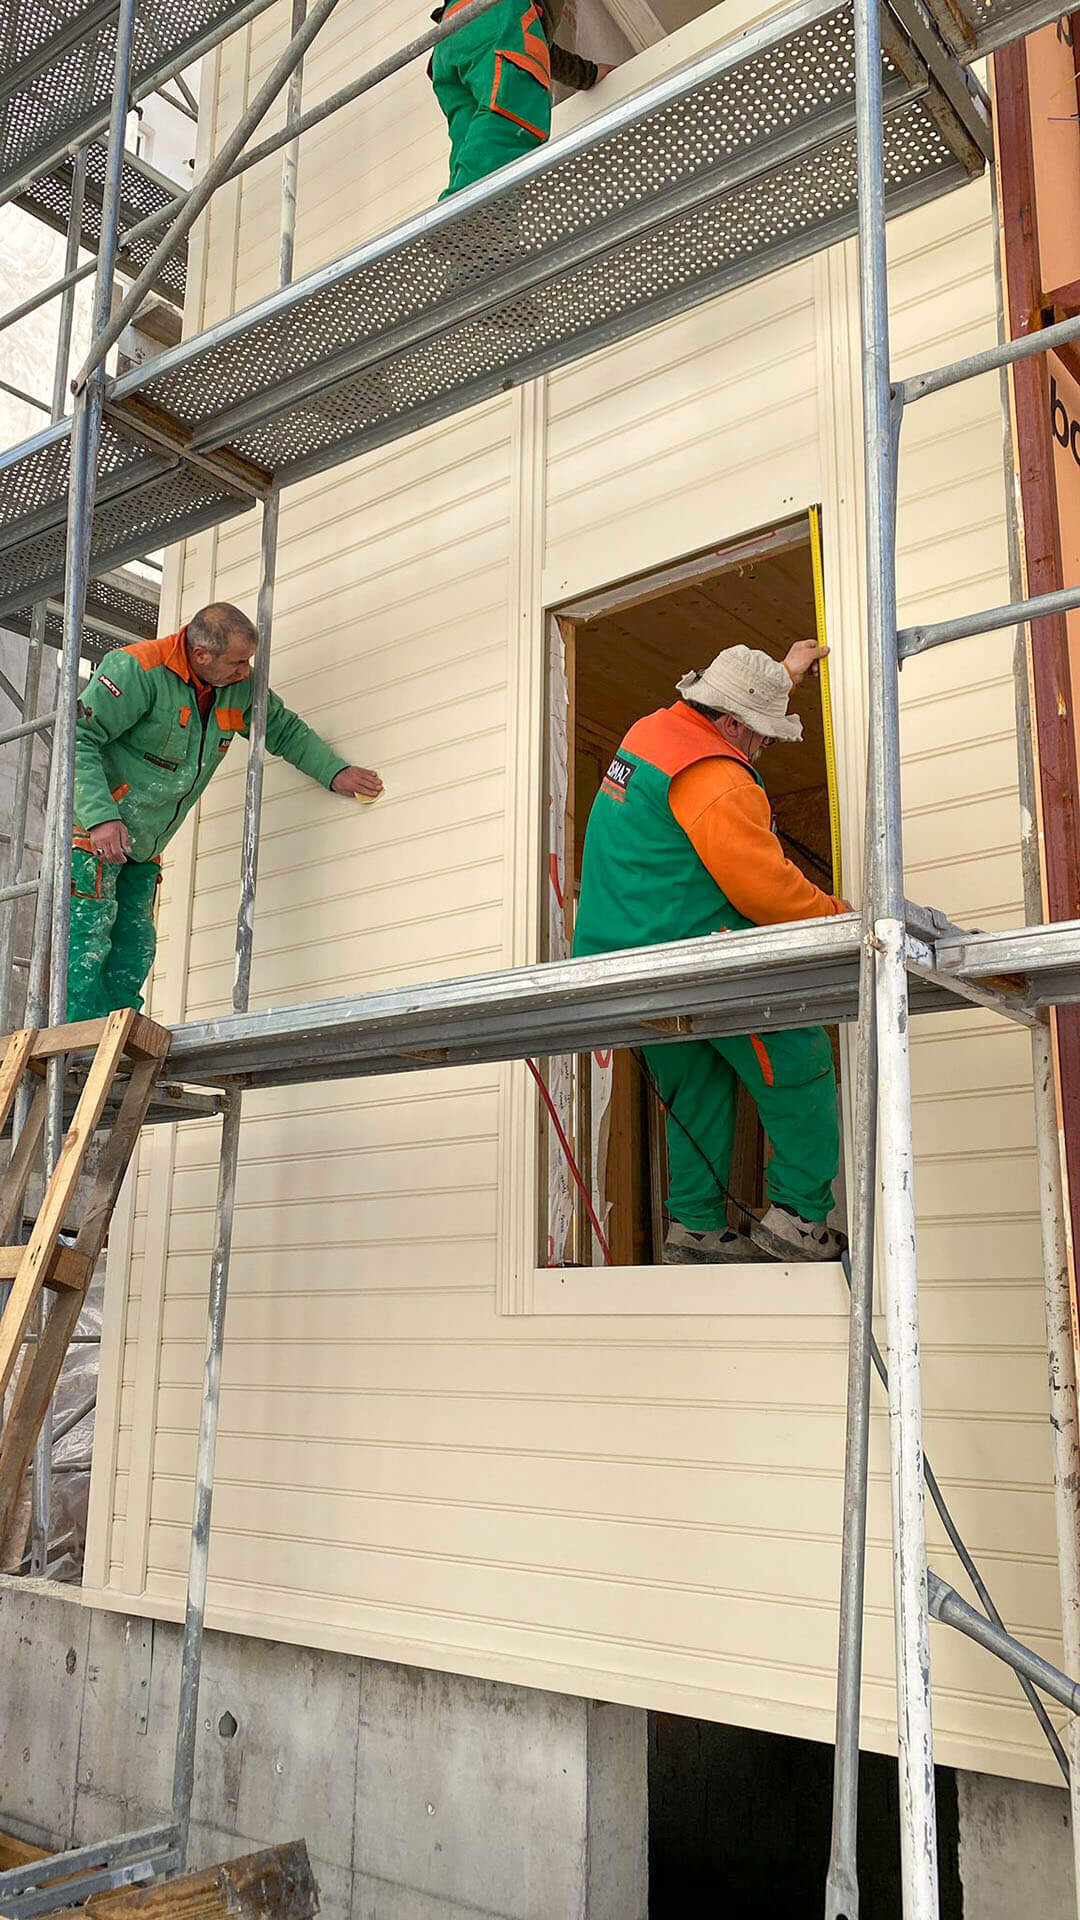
493	83
680	843
155	723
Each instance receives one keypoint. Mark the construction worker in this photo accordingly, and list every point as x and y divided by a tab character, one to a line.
680	842
154	724
493	83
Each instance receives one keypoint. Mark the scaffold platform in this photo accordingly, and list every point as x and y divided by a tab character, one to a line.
760	979
57	68
713	176
120	608
143	192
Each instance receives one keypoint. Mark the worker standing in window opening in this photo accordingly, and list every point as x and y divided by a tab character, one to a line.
493	82
680	842
154	724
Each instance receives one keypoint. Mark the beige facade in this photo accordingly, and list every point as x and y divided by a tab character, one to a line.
430	1451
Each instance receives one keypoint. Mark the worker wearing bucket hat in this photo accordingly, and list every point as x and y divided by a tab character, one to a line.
680	843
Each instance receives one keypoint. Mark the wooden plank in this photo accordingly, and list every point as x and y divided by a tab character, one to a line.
146	1040
67	1268
277	1884
17	1056
19	1167
18	1853
61	1189
34	1389
79	1036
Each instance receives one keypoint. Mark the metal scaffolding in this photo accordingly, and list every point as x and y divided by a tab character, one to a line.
826	119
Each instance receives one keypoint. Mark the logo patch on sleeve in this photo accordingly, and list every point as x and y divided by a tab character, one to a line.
617	778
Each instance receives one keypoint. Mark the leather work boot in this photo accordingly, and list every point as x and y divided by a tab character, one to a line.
721	1247
785	1235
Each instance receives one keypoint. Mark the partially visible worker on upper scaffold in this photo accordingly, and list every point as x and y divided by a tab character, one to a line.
155	722
493	82
680	842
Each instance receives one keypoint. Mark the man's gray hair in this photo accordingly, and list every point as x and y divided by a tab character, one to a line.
214	626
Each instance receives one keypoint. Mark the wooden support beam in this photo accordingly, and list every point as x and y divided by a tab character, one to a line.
277	1884
144	1038
64	1268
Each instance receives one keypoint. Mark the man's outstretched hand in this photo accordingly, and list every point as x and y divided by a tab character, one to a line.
801	657
112	840
357	780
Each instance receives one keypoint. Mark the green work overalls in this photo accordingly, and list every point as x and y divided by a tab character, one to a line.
642	883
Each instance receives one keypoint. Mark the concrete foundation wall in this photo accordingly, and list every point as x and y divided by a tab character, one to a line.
430	1796
1015	1849
422	1796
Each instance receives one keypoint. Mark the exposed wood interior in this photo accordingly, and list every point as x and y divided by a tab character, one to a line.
627	662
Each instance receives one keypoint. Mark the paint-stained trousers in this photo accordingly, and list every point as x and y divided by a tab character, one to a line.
792	1082
111	949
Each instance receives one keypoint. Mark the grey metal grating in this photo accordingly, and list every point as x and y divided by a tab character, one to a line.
60	100
34	477
974	27
130	615
176	502
676	265
790	85
28	30
709	178
142	193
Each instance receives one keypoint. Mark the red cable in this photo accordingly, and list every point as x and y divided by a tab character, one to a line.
570	1161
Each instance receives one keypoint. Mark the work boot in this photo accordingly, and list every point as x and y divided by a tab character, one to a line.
721	1246
785	1235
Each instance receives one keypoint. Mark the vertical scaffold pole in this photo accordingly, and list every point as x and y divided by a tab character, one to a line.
918	1829
35	652
199	1557
85	434
842	1885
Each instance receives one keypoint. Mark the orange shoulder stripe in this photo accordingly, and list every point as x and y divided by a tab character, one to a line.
167	651
674	737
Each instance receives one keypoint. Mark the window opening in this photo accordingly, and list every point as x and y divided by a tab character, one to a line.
611	659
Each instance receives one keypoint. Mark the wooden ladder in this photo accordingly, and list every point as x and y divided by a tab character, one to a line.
123	1039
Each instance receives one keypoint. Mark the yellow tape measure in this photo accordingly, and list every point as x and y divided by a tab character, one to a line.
826	701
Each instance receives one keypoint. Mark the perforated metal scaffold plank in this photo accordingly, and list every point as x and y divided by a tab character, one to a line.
119	610
143	192
56	67
736	166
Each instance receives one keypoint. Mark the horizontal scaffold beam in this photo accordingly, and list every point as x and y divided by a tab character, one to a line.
756	980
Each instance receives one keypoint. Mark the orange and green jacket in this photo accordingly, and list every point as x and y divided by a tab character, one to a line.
680	842
150	736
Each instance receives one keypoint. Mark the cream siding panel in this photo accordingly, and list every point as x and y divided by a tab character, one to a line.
642	1508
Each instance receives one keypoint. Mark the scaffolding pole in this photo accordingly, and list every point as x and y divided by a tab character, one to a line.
885	908
86	428
286	63
32	721
199	1552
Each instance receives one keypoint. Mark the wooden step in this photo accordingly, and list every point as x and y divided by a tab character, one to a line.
144	1039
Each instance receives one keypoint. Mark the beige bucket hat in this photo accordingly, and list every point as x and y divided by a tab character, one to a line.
750	685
